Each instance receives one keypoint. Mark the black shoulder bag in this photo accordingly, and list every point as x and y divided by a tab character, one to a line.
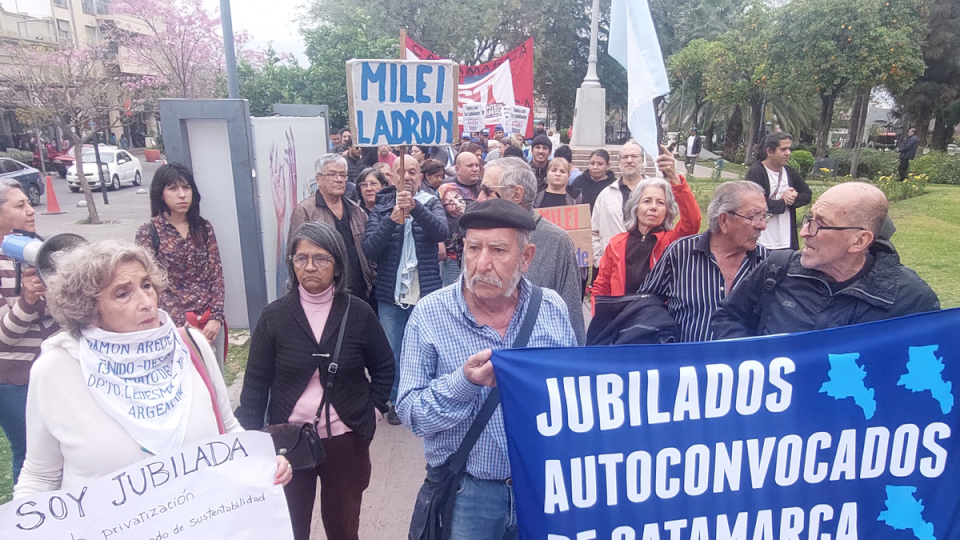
433	510
300	443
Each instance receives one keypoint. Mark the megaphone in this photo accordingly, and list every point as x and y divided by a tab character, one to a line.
25	247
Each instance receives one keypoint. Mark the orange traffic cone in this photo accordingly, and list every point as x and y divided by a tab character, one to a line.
53	207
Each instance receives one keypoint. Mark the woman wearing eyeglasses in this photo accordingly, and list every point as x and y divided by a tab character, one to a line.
651	211
289	378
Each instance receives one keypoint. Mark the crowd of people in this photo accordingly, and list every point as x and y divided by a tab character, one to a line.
407	269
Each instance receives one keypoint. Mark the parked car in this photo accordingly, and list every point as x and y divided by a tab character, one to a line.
28	177
119	168
49	157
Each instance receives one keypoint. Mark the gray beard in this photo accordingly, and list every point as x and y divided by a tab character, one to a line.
471	282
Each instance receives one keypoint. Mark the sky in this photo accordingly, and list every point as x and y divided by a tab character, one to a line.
276	23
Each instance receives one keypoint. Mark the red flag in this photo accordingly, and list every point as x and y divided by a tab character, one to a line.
521	69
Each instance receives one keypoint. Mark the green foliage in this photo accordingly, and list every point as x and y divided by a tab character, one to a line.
20	155
940	167
895	190
802	161
873	162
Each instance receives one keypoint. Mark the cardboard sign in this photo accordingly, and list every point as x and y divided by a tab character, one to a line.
568	218
474	115
402	102
216	488
516	122
574	219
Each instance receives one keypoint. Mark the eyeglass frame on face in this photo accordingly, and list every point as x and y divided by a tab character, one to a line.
808	219
766	216
631	156
333	175
488	189
319	261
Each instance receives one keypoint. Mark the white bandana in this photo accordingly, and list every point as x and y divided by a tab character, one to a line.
142	380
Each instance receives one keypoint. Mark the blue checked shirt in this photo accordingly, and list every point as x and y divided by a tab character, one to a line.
436	401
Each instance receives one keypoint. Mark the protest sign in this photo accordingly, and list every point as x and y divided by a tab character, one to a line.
474	115
494	114
402	102
838	434
575	219
217	488
515	118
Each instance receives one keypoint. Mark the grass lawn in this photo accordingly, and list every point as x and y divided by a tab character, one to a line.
927	238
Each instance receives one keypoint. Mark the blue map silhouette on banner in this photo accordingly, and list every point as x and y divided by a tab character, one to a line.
924	374
846	380
847	432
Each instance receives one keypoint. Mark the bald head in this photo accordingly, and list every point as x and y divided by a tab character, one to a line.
467	168
406	174
860	204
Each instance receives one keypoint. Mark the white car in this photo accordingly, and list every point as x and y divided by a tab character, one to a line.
119	168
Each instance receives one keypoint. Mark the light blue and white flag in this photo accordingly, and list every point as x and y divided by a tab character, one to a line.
633	43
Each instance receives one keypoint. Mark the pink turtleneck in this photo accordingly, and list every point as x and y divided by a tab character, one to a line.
317	309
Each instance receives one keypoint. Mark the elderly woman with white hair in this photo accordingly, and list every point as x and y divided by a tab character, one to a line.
105	295
651	210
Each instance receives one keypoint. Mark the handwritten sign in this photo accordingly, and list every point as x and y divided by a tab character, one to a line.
494	114
474	115
400	102
217	488
515	118
575	219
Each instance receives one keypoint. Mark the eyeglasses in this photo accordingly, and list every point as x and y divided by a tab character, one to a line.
755	220
334	176
320	261
629	156
813	227
488	190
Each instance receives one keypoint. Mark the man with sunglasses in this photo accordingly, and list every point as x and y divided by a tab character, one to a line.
848	272
697	272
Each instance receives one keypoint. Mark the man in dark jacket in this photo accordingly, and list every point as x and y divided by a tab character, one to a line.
402	234
908	151
847	273
540	150
784	188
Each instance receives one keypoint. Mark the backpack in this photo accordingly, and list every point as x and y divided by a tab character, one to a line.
634	319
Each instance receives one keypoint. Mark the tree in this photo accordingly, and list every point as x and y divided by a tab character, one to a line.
936	93
686	70
279	79
179	41
826	46
72	88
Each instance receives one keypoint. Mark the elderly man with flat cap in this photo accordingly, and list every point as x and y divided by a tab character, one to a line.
445	371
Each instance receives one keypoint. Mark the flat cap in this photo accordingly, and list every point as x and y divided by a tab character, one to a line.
497	214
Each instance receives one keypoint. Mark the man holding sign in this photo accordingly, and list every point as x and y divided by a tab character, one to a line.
445	370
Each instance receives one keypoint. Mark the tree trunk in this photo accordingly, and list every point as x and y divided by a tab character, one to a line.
92	216
861	116
756	118
923	126
827	102
733	134
942	132
708	136
852	130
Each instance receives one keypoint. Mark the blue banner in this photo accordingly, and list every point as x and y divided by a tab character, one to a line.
839	434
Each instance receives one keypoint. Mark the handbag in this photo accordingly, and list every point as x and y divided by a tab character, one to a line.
300	443
433	510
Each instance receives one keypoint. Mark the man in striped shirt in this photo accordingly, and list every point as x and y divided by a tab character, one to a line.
697	272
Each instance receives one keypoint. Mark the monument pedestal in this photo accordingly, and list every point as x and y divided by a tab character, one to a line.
590	117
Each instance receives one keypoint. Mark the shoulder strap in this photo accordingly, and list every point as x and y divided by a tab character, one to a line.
459	458
334	366
154	238
530	318
778	261
198	363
